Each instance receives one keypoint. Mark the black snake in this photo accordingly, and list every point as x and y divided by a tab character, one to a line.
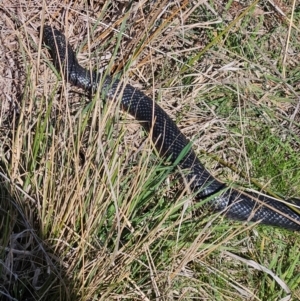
170	142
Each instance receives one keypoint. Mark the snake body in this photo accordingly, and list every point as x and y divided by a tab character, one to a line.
170	142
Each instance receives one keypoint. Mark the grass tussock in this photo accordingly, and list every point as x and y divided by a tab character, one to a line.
88	209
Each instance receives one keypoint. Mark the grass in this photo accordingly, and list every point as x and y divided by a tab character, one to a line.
88	209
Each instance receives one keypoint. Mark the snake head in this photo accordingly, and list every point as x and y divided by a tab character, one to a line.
62	54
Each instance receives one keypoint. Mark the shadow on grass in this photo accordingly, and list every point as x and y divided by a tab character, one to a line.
29	269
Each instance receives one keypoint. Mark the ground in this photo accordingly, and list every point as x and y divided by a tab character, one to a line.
89	211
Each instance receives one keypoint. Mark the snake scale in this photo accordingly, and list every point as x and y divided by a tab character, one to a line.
170	142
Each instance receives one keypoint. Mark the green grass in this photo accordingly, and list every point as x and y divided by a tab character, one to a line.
92	213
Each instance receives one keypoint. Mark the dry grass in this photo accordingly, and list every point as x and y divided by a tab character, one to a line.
88	211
